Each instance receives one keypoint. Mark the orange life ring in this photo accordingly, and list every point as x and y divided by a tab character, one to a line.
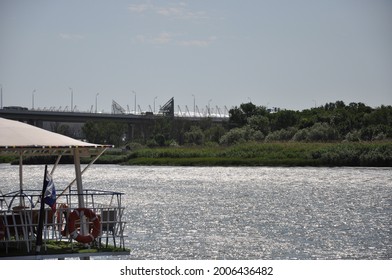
75	234
62	209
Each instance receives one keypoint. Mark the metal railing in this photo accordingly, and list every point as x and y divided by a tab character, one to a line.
20	214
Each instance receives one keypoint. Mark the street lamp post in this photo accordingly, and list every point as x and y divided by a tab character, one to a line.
96	103
154	103
209	107
194	105
135	100
32	98
71	98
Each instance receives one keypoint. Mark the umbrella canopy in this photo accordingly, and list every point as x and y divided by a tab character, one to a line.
24	140
16	135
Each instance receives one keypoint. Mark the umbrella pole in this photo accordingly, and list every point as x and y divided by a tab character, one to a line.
38	242
78	175
21	199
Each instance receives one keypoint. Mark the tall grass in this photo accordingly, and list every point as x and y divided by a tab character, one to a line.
253	154
270	154
356	154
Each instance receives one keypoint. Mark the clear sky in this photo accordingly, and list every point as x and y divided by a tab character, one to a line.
291	54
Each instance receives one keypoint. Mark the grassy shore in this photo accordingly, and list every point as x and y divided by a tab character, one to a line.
371	154
268	154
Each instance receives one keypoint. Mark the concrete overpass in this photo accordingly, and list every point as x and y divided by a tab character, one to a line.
134	122
33	116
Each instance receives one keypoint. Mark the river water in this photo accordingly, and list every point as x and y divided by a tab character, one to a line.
243	212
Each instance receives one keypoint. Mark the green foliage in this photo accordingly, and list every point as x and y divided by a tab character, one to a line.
160	140
375	132
356	154
59	248
133	146
235	135
353	136
259	123
281	135
241	135
318	132
63	129
284	119
7	159
214	133
239	116
194	136
105	132
180	132
332	122
270	154
164	129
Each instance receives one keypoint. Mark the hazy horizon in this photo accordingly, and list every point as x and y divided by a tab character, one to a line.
287	54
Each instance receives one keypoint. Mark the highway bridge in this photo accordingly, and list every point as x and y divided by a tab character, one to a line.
135	122
36	116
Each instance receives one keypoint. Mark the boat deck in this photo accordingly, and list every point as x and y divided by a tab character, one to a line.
19	225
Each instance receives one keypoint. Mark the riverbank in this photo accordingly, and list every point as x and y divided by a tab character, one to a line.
268	154
369	154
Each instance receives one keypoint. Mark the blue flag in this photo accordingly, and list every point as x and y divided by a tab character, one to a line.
50	194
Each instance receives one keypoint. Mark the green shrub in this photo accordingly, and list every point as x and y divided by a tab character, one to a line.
356	154
194	136
241	135
281	135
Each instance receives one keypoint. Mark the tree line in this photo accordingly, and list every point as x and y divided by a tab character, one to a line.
249	122
331	122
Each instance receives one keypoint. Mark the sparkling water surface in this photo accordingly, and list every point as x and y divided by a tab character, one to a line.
242	212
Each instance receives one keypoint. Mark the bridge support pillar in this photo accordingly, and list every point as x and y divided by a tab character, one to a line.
130	131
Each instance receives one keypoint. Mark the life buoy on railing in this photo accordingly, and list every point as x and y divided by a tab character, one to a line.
75	234
62	213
